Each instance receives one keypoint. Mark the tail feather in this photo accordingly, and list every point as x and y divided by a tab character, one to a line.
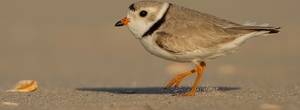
272	30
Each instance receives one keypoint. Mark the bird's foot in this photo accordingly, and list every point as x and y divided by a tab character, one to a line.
175	82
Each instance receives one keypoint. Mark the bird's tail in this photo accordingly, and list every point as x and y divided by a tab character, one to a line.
270	29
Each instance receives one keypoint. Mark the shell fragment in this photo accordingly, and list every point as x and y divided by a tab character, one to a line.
25	86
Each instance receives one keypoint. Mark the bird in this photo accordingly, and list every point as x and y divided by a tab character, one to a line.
185	35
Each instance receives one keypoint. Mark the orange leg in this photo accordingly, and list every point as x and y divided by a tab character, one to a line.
199	70
178	79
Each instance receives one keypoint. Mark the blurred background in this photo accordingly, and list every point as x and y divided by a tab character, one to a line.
73	43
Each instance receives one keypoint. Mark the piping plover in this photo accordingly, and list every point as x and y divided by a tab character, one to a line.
180	34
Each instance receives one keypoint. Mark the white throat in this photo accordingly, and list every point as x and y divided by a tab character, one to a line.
140	27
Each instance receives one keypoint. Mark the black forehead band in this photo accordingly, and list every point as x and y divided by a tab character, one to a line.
131	7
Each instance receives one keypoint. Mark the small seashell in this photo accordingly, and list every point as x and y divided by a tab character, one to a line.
25	86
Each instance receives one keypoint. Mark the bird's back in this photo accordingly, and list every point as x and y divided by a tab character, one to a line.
186	30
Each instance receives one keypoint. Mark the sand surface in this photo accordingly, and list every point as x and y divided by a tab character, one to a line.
82	62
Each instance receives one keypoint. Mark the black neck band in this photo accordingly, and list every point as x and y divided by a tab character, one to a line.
157	25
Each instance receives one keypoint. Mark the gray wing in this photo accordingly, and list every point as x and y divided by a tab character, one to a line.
186	30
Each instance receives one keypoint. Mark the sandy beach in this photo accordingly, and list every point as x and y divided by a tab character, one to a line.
82	62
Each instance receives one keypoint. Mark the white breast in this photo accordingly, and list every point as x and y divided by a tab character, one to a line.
149	44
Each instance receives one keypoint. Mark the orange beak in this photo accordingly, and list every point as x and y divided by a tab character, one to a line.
123	22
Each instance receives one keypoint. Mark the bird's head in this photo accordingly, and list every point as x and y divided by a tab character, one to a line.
142	16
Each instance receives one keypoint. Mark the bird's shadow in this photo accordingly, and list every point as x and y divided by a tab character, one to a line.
154	90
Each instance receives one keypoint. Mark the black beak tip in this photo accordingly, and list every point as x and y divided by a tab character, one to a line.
119	23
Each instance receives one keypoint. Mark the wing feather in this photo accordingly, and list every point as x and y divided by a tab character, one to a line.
186	30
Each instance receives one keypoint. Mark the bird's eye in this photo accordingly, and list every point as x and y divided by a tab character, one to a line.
143	13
